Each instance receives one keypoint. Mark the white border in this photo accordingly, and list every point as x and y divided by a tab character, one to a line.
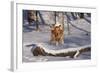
17	38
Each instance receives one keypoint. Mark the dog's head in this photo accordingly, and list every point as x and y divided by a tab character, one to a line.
56	26
56	30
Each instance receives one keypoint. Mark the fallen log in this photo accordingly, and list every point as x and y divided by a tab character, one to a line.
71	52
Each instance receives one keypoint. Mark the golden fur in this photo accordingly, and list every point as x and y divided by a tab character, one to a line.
57	35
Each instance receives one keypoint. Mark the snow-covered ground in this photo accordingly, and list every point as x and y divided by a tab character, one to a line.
78	37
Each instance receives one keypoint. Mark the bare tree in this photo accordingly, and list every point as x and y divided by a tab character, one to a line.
89	14
31	16
68	22
81	15
55	14
73	15
37	25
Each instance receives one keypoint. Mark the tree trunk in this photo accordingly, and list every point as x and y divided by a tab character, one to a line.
81	15
31	16
68	21
37	25
55	16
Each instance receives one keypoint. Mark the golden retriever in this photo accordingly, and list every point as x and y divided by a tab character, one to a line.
57	34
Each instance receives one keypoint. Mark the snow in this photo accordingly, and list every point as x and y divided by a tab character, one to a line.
77	39
61	50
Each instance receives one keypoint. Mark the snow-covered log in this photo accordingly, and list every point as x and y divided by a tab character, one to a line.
71	52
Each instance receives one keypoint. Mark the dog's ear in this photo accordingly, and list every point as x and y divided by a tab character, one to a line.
60	26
